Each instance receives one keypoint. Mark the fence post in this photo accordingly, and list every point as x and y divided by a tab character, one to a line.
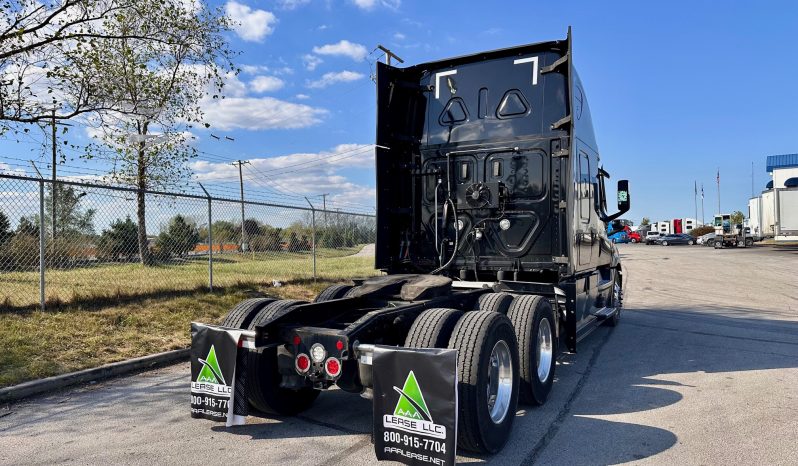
41	237
210	240
313	230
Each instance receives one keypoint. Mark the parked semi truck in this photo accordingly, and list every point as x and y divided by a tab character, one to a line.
728	234
491	233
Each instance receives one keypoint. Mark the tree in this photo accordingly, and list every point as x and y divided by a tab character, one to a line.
28	226
71	220
179	238
163	83
645	221
5	228
120	240
737	217
46	50
225	232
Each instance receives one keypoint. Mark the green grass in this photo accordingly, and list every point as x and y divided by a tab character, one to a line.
107	313
40	344
90	284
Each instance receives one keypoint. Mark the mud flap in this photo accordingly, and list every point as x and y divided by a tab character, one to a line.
415	405
218	373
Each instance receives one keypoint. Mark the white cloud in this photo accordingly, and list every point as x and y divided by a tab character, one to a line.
259	113
8	170
370	4
335	77
254	69
399	36
311	61
344	48
292	4
304	173
266	84
250	25
302	96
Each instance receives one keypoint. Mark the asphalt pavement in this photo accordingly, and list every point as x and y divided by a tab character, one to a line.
703	369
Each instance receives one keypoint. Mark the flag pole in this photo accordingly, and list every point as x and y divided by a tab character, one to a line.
718	180
695	199
702	205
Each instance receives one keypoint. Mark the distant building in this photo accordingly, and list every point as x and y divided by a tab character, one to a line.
774	213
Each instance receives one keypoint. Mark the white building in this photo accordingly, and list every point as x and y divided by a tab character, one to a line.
774	213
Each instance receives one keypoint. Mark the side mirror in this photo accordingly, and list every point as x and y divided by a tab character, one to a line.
624	203
623	196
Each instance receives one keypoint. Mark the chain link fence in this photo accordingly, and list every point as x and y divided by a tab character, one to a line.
69	242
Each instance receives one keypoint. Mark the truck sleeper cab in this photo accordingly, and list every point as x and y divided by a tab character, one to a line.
492	230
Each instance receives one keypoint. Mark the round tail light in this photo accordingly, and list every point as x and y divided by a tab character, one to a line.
333	367
302	363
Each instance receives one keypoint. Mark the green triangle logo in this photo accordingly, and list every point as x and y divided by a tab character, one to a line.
211	372
411	402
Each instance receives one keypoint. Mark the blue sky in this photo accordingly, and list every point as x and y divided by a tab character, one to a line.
678	90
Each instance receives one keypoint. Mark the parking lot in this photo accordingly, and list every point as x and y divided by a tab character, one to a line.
702	369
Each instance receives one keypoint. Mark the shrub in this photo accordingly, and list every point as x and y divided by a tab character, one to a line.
699	231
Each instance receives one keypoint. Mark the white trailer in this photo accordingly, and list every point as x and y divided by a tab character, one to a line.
664	227
786	221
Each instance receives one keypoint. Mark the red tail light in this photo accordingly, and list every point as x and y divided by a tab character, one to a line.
333	367
302	363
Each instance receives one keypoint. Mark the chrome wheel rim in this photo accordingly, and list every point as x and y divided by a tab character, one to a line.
500	382
545	352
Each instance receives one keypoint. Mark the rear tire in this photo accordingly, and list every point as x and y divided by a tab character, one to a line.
664	243
535	330
495	302
432	328
332	292
242	314
487	359
263	378
690	242
749	242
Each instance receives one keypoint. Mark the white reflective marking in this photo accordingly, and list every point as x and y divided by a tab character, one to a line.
438	80
534	61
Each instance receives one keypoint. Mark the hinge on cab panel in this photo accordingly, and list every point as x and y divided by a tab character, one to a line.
553	67
559	259
561	122
563	204
560	153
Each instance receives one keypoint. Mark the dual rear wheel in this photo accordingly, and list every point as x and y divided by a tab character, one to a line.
506	352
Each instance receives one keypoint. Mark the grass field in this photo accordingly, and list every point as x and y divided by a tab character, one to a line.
110	313
112	282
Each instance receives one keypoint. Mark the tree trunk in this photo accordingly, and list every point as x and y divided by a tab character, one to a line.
141	210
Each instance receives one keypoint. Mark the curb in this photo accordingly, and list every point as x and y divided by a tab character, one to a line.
36	387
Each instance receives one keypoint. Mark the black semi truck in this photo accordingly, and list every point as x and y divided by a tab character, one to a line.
491	233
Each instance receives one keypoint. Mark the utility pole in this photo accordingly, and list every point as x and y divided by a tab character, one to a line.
324	207
389	55
244	244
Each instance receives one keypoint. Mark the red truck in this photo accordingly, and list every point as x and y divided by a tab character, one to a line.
634	236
